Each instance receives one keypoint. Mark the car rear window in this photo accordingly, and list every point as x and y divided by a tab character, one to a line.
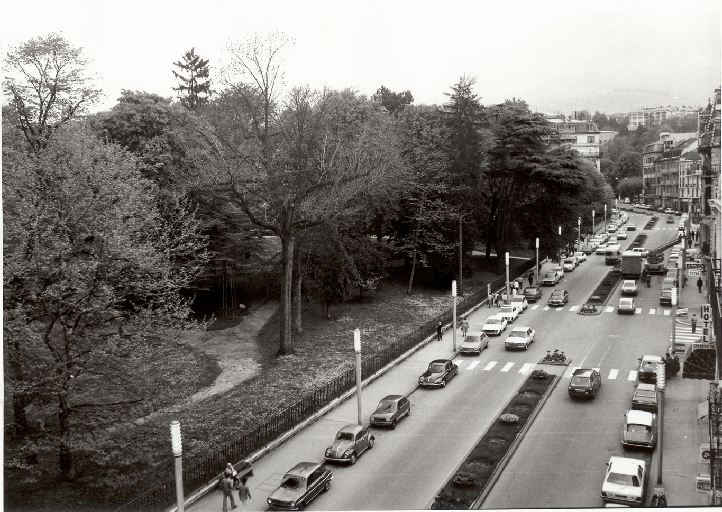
638	429
619	478
580	381
646	394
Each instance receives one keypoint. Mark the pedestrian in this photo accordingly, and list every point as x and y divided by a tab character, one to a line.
699	284
515	287
498	299
244	494
438	332
667	365
531	279
675	363
490	300
233	471
227	488
696	236
693	321
464	327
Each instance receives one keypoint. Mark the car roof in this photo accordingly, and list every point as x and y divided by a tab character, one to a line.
440	361
646	387
519	328
627	281
558	291
390	398
475	333
625	465
496	316
353	428
652	358
625	299
585	372
303	469
639	417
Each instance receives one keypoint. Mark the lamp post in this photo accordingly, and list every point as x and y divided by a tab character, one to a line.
605	215
560	246
177	447
593	229
507	301
579	234
453	336
537	261
357	349
661	384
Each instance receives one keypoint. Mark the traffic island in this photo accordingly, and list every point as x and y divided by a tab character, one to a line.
651	222
599	298
474	478
556	358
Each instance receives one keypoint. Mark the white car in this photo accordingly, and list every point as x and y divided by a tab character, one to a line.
622	235
601	249
569	264
625	481
641	250
494	325
559	270
510	313
520	338
611	228
580	256
520	302
629	287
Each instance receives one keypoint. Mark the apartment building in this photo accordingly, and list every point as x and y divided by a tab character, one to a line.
581	136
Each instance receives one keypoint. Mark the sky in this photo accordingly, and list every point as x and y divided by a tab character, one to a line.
558	55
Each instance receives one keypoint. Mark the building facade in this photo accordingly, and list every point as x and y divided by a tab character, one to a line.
711	202
582	136
647	116
653	188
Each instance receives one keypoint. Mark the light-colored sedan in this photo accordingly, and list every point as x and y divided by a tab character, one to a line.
494	325
580	256
550	279
474	343
629	287
520	338
510	313
640	429
520	302
559	270
601	249
625	481
626	305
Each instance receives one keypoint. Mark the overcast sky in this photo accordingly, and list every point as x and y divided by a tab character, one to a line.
552	53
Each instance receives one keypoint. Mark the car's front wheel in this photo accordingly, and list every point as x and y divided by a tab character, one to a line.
393	424
353	458
443	383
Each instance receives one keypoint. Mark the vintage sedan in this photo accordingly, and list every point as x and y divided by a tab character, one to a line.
351	441
558	298
631	226
300	486
520	338
510	313
625	481
474	343
588	248
494	325
559	270
648	368
640	429
601	249
550	279
439	373
581	256
626	305
391	409
629	287
520	302
644	397
532	293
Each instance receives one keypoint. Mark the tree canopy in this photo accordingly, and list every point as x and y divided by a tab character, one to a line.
194	83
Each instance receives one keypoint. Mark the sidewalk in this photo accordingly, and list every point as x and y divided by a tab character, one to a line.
683	432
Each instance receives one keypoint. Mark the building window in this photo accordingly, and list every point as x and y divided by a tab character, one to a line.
590	139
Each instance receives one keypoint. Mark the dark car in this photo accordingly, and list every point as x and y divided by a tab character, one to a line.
351	441
474	343
439	373
532	293
300	486
587	249
645	397
670	220
390	410
558	298
665	297
585	382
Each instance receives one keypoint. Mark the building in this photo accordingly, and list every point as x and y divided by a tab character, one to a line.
690	181
606	135
652	186
581	136
647	116
711	202
667	171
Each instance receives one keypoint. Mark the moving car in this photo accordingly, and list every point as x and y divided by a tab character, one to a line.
626	305
625	481
670	220
622	235
559	270
510	313
439	373
580	256
631	226
645	397
585	382
601	249
611	228
300	486
670	211
569	265
474	343
494	325
629	287
520	302
648	368
520	338
665	298
558	298
588	248
351	441
641	250
391	409
640	429
550	279
532	293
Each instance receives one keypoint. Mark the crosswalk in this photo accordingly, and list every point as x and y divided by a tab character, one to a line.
527	368
683	334
605	309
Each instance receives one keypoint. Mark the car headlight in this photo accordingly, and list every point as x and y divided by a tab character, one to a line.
328	452
347	453
421	379
292	504
438	381
268	501
604	494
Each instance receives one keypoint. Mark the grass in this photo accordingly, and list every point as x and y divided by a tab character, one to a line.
479	466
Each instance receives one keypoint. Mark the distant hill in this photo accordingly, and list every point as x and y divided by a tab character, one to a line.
617	100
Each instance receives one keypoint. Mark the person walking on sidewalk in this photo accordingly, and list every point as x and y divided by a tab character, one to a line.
699	284
693	321
227	488
244	494
438	332
464	327
531	279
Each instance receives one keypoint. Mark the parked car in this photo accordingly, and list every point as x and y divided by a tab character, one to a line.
629	287
585	382
532	293
439	373
625	481
611	228
569	265
509	312
351	441
474	343
520	302
640	429
645	397
520	338
631	226
494	325
550	279
391	410
558	298
588	248
601	249
559	270
648	368
626	305
580	256
300	486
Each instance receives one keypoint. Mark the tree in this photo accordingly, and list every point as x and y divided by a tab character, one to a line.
194	84
608	169
394	102
630	187
92	280
48	84
629	165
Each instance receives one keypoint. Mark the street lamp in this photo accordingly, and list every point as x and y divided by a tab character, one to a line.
579	233
453	330
177	447
593	229
605	215
560	246
357	349
507	301
537	261
661	384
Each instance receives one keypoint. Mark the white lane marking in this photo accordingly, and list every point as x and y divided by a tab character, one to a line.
613	374
570	371
574	308
632	375
489	366
534	306
473	365
507	367
667	312
652	311
546	308
638	311
458	365
609	309
558	308
525	369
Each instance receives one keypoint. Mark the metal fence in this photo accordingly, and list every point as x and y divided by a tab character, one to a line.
209	468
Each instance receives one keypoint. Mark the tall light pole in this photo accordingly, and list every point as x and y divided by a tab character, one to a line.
560	247
661	384
357	349
508	299
593	228
537	261
579	233
453	330
605	215
177	447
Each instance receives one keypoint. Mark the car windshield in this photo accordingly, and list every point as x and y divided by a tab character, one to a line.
580	381
344	436
436	368
493	321
548	276
625	302
629	283
291	482
619	478
473	339
507	309
517	334
530	290
639	429
386	407
557	293
568	262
